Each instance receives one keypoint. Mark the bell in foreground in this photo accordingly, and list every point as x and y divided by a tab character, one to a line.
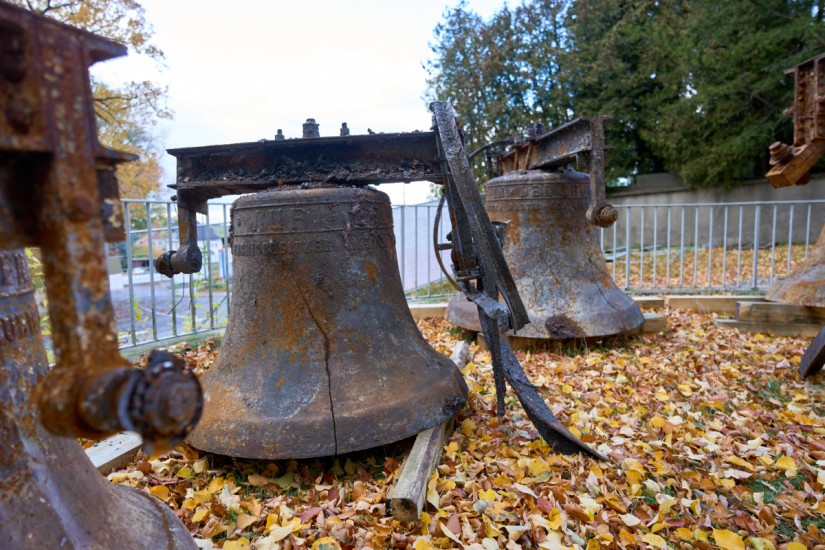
52	496
321	355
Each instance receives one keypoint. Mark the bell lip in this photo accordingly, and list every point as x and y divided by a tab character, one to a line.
253	450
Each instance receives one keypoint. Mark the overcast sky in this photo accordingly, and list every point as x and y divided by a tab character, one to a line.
238	71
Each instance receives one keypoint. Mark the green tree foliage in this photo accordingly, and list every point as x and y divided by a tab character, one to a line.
501	74
126	113
695	87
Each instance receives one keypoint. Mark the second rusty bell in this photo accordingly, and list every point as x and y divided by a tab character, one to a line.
556	259
321	355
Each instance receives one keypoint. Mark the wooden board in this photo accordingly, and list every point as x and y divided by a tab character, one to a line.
113	452
649	302
406	497
775	329
709	304
773	312
424	311
814	356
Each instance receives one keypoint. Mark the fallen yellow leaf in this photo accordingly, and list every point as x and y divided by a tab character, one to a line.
161	492
728	540
240	544
654	540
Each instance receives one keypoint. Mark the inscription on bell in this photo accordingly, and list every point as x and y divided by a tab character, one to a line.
20	325
354	240
537	191
14	271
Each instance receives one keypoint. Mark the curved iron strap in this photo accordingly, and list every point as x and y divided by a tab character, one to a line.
436	244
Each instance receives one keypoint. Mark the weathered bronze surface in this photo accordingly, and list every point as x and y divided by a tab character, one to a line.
50	494
555	258
58	192
321	355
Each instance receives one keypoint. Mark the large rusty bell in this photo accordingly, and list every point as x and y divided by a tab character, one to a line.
52	496
321	355
555	258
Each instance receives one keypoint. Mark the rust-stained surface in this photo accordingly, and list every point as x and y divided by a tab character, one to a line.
58	192
217	170
792	163
321	355
580	141
480	268
555	258
50	494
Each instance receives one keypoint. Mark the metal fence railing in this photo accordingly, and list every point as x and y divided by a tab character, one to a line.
653	248
738	247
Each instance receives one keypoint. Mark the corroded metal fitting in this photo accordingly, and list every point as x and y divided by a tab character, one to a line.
781	153
602	215
311	128
187	259
162	402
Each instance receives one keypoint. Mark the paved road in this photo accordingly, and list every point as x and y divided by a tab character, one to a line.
167	313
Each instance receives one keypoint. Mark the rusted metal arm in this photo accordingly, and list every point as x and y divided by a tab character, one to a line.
792	163
58	192
580	141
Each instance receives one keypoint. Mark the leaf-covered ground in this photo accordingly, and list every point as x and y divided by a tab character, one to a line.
713	440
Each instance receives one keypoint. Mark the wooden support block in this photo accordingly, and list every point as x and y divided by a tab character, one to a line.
407	496
814	356
774	312
113	452
649	302
774	329
709	304
424	311
654	322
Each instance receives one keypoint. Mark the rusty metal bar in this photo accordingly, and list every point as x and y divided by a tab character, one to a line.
58	192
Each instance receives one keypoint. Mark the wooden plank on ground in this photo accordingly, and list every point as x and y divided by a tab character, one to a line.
709	304
774	329
113	452
774	312
654	322
424	311
649	302
407	496
814	356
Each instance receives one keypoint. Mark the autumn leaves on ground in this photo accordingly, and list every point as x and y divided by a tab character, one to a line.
713	440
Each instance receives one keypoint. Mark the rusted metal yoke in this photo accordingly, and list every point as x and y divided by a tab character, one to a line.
792	163
437	156
58	192
580	141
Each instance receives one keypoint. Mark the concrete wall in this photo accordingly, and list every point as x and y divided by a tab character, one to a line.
660	193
